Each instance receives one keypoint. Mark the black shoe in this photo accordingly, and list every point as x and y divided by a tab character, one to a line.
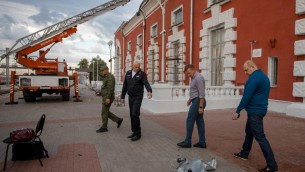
198	145
119	122
184	145
135	138
266	169
238	155
102	130
131	136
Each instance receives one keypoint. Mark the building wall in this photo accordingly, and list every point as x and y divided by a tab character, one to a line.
272	24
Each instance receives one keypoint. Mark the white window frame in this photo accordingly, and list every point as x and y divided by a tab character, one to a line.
218	68
176	46
129	46
273	70
174	16
154	30
139	40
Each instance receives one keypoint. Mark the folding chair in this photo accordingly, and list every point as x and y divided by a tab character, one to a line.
38	132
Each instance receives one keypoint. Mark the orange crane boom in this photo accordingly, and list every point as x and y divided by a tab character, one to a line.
51	75
42	65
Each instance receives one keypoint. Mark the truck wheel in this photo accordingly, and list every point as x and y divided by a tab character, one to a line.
65	95
29	96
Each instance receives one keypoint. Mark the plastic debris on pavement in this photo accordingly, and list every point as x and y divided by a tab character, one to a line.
196	165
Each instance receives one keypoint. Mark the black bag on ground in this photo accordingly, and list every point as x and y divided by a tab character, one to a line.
25	151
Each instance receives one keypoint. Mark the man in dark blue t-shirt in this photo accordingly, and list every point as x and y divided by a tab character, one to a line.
255	102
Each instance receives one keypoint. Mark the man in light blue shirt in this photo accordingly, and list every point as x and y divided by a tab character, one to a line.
198	103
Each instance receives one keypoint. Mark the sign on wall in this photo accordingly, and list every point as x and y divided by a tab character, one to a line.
257	52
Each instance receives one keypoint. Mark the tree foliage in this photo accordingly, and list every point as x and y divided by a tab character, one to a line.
84	63
94	66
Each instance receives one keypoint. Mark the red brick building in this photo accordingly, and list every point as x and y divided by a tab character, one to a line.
218	36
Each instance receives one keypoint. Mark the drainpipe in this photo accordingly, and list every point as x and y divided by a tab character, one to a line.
123	55
191	32
163	38
143	35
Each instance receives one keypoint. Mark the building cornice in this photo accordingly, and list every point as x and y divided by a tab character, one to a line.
133	23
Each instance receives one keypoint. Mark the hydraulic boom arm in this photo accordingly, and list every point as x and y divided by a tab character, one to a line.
58	28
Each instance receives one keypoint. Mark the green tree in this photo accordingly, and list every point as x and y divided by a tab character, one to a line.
96	63
84	63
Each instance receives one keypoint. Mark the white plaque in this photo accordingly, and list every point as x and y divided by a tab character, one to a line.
257	53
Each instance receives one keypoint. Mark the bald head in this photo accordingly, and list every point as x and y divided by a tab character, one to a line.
136	66
249	67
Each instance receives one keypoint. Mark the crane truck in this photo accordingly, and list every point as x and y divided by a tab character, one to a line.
51	76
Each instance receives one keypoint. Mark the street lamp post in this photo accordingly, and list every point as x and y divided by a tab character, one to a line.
97	69
92	69
7	70
110	60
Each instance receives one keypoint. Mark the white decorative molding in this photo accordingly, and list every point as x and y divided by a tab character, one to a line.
176	36
117	61
299	47
139	56
204	43
204	32
210	4
300	27
300	7
225	19
207	23
216	12
299	68
229	62
230	35
206	74
152	62
229	75
230	48
204	64
231	23
299	89
205	52
228	14
128	62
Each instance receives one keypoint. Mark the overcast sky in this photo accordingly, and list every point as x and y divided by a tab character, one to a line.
19	18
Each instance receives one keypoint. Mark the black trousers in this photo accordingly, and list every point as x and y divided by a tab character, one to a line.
134	110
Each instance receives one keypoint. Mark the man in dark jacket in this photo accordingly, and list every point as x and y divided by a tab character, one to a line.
255	102
107	93
134	83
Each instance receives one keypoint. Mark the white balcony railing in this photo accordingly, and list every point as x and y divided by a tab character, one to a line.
182	92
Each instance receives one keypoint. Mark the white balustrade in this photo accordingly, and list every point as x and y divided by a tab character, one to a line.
179	92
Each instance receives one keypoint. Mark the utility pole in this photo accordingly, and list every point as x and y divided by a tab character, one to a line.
110	60
7	72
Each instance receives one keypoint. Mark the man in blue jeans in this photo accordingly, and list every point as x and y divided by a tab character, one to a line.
255	102
198	103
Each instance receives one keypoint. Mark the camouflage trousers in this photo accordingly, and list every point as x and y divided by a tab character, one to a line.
107	114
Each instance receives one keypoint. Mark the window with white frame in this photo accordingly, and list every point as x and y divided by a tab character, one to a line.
273	70
139	40
217	57
177	16
129	46
154	31
176	46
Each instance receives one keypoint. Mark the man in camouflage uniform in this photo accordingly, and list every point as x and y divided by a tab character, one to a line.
107	93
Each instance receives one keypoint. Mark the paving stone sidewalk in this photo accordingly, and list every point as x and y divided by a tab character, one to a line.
69	136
